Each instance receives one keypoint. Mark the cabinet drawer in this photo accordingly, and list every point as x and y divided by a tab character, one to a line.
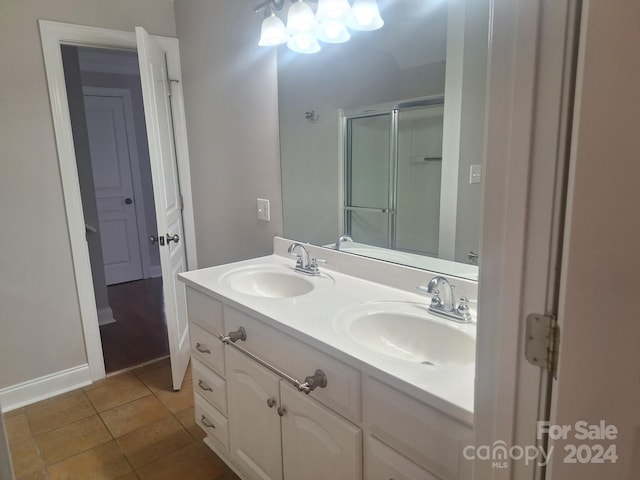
384	463
205	311
212	421
210	386
342	393
423	434
207	348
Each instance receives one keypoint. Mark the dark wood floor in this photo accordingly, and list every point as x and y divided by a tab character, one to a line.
140	331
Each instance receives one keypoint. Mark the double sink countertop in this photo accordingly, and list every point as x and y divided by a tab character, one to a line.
379	329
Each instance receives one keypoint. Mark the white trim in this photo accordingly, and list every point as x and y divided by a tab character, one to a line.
26	393
53	34
105	316
134	160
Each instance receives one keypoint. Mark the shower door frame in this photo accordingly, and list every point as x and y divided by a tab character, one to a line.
393	110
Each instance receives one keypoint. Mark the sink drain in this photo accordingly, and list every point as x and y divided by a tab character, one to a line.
427	362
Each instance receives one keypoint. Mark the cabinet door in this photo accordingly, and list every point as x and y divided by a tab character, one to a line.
384	463
254	425
317	444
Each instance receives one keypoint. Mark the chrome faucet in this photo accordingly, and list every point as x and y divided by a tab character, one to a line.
305	263
445	305
343	239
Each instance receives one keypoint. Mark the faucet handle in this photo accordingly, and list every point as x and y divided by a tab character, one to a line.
463	308
436	301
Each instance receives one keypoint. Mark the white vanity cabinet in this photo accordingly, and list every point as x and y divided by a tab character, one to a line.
278	432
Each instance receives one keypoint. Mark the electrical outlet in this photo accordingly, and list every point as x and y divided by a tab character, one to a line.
263	209
475	173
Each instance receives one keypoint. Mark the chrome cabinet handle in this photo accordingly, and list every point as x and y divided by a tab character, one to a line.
318	379
233	337
202	349
270	402
206	422
174	238
204	386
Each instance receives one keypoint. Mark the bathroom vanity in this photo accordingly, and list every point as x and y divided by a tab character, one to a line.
343	375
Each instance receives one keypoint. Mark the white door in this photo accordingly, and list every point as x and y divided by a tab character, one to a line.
164	170
254	424
113	183
317	444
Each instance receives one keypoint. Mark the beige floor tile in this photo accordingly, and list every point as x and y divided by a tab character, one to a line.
117	390
25	458
64	442
154	442
130	476
104	462
59	411
177	401
188	421
195	462
39	475
17	428
134	415
158	378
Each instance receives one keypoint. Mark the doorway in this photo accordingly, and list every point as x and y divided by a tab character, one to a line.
107	116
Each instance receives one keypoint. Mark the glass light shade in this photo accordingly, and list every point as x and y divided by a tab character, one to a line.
333	32
273	31
365	16
333	10
300	19
304	43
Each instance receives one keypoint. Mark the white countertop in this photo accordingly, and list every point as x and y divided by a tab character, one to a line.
314	319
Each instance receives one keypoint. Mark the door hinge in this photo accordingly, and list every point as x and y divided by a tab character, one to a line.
170	83
542	342
181	200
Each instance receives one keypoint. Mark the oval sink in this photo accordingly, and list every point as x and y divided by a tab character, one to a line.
273	281
406	331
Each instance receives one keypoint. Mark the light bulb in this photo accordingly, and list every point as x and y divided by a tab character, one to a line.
273	31
333	32
365	15
304	43
300	18
333	10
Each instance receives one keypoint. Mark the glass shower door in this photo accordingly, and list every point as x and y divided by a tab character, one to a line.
368	209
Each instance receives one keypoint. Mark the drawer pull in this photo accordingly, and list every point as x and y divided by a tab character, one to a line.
204	386
206	422
202	349
281	411
270	402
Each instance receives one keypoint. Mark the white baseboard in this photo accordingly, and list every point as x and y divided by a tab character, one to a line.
32	391
105	316
156	271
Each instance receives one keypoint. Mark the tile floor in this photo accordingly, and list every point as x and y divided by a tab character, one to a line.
128	426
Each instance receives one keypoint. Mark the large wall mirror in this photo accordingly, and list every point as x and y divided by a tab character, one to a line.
382	137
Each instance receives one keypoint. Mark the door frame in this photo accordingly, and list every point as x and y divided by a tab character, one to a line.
53	35
134	161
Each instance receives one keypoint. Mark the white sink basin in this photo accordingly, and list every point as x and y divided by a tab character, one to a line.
274	281
406	331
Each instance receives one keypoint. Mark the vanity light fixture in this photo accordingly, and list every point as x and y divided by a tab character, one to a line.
330	23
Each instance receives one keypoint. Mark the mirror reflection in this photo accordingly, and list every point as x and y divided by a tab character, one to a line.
382	137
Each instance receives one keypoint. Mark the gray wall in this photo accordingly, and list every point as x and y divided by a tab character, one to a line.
231	107
40	318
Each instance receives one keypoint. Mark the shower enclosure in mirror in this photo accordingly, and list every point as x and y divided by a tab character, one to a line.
393	164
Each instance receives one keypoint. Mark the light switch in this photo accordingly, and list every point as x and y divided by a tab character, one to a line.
264	211
475	173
